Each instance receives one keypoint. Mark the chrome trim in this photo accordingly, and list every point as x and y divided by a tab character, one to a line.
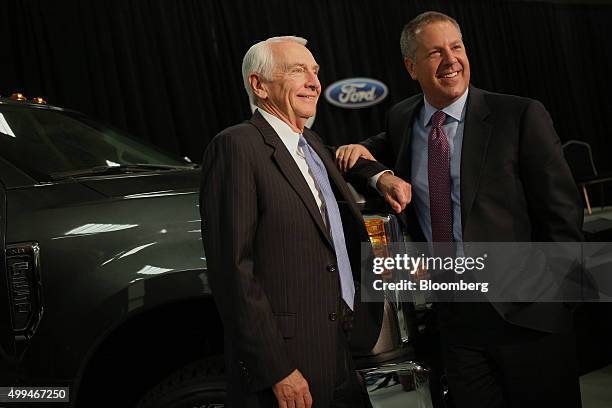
406	382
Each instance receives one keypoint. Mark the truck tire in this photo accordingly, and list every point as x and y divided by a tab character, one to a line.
197	385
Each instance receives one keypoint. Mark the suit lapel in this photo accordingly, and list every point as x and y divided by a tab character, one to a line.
290	170
334	175
403	165
476	135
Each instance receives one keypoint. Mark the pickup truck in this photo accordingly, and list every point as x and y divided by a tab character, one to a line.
103	274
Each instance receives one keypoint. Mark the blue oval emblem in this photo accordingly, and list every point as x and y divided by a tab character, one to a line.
355	93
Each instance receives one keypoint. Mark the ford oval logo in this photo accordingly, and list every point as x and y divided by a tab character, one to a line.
355	93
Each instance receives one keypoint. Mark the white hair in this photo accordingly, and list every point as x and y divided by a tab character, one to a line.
259	59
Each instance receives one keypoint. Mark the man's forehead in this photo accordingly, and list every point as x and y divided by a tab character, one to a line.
305	64
288	51
428	31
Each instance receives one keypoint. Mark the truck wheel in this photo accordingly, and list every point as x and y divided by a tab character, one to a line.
197	385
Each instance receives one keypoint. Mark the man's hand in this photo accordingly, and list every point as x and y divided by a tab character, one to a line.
395	190
347	156
293	392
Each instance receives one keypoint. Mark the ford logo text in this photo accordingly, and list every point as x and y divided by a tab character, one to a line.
355	93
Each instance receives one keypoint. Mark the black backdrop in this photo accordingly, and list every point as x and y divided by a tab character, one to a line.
169	70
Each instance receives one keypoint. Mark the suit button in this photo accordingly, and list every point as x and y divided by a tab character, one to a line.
331	268
333	317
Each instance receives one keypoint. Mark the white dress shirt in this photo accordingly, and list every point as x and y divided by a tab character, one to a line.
290	140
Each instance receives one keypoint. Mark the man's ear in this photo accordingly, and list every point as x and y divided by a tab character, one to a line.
409	64
258	87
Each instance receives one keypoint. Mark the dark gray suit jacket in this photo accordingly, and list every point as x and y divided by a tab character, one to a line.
515	183
271	263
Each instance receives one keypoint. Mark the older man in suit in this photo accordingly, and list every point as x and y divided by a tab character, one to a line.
282	236
482	167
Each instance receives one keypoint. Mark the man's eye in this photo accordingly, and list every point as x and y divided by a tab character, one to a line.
434	53
297	70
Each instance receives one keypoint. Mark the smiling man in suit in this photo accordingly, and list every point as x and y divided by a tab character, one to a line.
282	236
482	167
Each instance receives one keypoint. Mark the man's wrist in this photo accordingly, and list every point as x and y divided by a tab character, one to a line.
373	181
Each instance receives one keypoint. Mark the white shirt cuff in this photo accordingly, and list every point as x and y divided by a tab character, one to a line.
374	179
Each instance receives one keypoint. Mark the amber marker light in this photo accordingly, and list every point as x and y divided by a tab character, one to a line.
379	239
376	231
18	97
39	100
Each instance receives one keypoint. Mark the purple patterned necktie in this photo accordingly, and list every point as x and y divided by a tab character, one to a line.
438	172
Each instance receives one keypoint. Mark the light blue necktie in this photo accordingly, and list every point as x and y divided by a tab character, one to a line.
334	222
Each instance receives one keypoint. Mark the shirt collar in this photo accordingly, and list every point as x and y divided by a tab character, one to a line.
289	138
455	110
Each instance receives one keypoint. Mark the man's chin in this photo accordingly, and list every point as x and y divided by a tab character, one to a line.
451	94
307	115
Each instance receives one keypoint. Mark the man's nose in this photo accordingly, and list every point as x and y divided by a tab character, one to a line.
448	56
312	81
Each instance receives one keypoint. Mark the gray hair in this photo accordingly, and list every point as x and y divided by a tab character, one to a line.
408	41
259	59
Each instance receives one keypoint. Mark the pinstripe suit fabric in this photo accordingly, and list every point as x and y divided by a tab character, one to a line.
268	253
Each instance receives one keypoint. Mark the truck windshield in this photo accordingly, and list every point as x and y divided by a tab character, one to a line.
46	143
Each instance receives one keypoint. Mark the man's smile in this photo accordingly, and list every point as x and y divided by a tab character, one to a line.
449	74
